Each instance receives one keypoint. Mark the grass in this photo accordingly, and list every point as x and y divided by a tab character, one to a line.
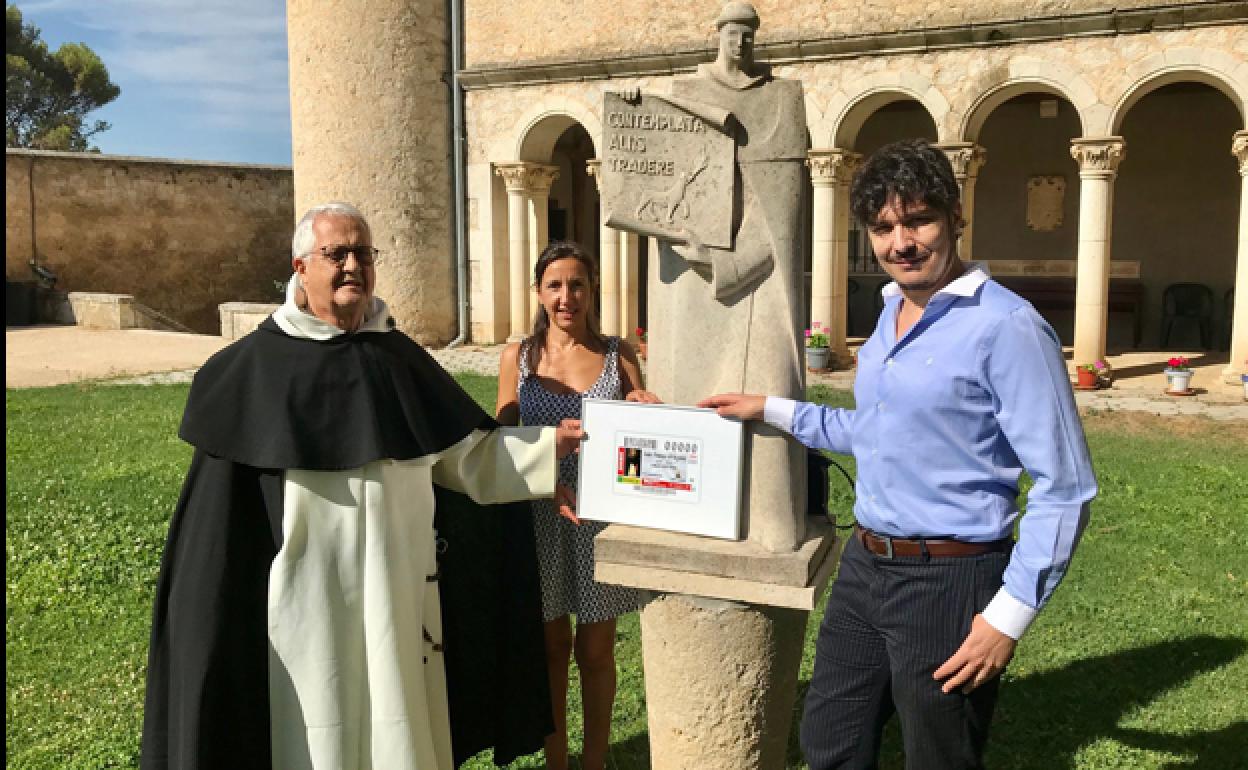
1139	661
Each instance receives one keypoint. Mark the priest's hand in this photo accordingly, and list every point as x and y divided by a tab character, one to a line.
742	406
642	397
568	438
565	499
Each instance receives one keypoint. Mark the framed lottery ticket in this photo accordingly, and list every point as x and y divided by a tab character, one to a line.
676	468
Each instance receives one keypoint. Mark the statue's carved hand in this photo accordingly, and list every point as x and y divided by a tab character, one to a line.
692	248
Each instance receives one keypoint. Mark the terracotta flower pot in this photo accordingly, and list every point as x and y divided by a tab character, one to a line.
1085	378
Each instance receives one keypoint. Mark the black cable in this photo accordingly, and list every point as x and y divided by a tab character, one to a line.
850	480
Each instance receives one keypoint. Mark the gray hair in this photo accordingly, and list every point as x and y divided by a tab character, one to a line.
304	239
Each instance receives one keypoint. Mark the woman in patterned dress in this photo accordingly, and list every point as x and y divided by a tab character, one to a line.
543	379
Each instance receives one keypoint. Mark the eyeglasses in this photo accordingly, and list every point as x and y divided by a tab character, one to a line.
365	255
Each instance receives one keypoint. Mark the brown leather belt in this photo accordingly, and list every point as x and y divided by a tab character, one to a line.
890	547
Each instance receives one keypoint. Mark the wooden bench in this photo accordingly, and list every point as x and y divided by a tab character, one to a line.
1126	295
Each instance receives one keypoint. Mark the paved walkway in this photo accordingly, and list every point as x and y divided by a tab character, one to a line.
1142	395
51	355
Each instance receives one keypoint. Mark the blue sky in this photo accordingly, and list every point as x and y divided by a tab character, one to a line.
201	80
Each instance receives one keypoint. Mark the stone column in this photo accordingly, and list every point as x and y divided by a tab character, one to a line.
630	283
967	158
608	262
1239	322
528	185
830	173
721	681
1098	160
370	124
540	179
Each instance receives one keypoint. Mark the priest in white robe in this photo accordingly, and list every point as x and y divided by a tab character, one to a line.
299	611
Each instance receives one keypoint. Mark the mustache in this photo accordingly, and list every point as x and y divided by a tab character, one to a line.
911	254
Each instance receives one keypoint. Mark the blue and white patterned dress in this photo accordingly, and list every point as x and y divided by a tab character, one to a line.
565	551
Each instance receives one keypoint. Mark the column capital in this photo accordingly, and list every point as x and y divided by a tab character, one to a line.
1239	148
965	157
829	167
593	167
527	177
1098	156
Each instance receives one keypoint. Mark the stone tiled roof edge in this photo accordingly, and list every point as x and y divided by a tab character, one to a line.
1095	23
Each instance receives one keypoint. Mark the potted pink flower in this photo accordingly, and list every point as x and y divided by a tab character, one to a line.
1094	375
817	351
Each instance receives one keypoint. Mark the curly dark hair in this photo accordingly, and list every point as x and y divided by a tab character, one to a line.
911	169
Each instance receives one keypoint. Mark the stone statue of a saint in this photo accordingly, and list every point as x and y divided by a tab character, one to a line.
729	319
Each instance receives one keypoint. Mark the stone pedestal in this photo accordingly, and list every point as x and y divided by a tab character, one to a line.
721	682
722	642
724	569
241	318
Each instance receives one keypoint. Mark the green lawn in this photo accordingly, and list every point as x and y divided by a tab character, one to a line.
1139	662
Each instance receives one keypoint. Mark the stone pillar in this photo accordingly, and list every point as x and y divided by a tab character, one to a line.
608	263
630	282
1098	160
967	158
370	124
528	187
721	681
831	172
1239	323
540	179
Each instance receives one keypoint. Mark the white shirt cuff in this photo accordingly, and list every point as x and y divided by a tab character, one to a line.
1008	615
778	413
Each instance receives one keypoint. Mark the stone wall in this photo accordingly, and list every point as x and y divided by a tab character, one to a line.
180	236
500	32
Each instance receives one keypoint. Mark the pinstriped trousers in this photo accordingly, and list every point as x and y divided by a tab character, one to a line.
888	625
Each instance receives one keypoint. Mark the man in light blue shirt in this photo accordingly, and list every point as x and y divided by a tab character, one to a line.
961	387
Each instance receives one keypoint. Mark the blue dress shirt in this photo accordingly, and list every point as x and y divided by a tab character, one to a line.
947	419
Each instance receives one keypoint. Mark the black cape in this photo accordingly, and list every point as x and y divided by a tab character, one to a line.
270	402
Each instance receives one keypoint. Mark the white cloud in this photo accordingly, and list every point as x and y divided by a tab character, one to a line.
223	58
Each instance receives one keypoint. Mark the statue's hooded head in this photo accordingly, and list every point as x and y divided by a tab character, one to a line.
737	23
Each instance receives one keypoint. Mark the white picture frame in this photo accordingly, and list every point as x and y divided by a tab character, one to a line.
674	468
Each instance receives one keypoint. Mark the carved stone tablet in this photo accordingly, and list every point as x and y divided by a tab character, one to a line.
667	168
1044	202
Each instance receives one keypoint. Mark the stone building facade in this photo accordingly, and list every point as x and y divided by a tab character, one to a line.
1101	146
180	236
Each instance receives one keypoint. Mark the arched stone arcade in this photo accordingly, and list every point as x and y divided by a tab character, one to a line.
1016	123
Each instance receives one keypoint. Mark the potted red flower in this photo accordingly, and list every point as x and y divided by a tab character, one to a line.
641	342
1178	376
